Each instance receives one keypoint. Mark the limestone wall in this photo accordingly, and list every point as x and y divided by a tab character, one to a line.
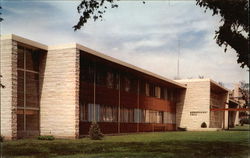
59	105
8	61
193	107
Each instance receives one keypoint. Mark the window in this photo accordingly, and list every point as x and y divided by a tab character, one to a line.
169	118
171	95
27	92
142	87
151	90
99	113
144	116
127	115
136	115
83	112
157	92
152	116
165	93
86	69
147	89
127	83
107	113
110	80
160	117
101	76
91	112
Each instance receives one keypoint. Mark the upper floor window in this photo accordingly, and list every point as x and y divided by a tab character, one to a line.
157	92
147	89
86	69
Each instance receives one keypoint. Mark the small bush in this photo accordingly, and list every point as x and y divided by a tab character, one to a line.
45	137
245	121
182	128
204	125
95	132
1	138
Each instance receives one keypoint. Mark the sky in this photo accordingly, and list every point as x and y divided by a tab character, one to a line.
145	35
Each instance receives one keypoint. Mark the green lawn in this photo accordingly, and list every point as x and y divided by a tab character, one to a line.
222	144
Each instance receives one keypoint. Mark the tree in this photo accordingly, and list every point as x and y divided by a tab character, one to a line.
244	90
235	28
95	132
92	9
1	19
233	32
244	96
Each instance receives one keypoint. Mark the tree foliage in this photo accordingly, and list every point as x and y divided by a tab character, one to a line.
1	19
244	90
234	30
92	9
95	132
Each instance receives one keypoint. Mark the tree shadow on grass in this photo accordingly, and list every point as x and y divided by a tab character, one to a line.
185	149
235	129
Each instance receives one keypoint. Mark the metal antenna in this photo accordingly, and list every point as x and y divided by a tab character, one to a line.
178	61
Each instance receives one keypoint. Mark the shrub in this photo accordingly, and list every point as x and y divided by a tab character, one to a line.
1	138
45	137
182	128
245	121
95	132
204	125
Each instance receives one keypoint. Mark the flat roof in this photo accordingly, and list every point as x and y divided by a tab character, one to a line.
204	80
90	51
24	41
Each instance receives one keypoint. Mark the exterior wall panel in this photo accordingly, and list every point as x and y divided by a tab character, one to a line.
156	104
86	92
60	94
128	100
107	96
128	127
194	106
8	56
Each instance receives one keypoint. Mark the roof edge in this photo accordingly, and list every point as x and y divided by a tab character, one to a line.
117	61
63	46
24	41
218	85
203	80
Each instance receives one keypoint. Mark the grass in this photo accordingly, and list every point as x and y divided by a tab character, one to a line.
227	144
241	128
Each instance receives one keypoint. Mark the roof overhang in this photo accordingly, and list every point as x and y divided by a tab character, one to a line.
213	85
24	41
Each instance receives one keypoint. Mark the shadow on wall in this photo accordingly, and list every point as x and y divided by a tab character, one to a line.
42	66
179	107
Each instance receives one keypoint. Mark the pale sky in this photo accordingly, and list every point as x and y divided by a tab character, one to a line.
145	35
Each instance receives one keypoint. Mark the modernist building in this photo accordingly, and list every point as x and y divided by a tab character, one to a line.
60	90
203	101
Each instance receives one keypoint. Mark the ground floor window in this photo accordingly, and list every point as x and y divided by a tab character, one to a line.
106	113
27	122
127	115
169	118
99	113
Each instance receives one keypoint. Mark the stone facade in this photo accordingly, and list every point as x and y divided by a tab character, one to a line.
59	105
195	102
193	108
9	93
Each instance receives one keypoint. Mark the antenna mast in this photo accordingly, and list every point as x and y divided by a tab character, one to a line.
178	61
